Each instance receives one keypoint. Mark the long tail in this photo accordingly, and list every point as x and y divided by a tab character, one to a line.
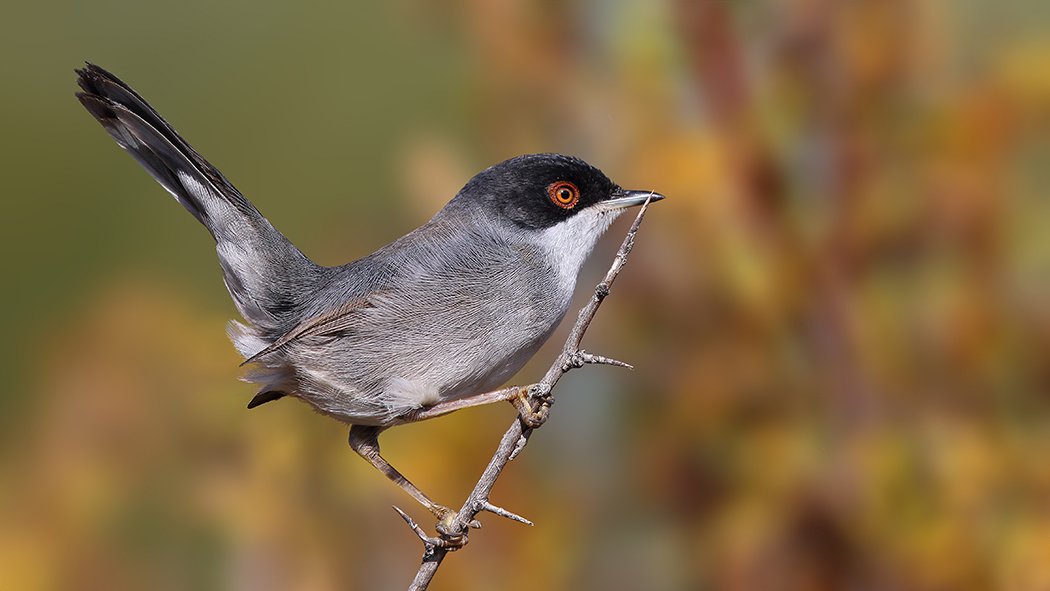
265	274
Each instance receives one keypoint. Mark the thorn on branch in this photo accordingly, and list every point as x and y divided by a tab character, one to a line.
586	357
487	506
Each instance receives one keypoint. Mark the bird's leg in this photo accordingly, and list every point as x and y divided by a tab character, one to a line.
443	408
364	440
516	395
519	396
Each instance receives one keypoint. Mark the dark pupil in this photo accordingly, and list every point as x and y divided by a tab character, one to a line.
565	195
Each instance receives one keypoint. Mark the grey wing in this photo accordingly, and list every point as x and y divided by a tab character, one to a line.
415	324
458	324
331	322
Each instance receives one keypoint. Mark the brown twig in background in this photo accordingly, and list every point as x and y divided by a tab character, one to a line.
517	435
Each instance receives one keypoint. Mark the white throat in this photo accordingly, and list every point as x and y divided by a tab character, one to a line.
569	243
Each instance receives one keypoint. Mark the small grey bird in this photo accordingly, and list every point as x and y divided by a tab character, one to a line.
428	324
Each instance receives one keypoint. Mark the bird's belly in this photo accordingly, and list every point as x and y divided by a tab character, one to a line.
363	380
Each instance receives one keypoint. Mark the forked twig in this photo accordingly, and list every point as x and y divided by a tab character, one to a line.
517	435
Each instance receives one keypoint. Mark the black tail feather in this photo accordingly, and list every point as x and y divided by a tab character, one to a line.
264	397
264	272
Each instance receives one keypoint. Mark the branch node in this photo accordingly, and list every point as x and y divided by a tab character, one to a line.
574	361
540	390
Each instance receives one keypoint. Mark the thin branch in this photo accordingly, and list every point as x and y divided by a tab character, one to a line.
517	435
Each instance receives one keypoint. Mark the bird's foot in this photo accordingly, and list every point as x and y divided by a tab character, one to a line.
452	535
446	540
522	401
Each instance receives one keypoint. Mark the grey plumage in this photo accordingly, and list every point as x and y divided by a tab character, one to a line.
450	310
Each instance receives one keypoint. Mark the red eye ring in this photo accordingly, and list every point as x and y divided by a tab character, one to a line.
563	194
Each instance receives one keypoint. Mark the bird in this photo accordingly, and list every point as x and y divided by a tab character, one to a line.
428	324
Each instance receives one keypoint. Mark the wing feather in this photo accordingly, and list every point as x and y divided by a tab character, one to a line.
330	322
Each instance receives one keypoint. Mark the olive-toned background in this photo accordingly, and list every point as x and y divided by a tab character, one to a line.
839	316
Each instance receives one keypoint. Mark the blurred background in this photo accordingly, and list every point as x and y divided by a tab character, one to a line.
838	317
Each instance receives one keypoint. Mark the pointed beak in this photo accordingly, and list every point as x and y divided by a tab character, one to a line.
624	198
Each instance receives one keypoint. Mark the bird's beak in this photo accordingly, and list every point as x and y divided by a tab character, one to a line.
624	198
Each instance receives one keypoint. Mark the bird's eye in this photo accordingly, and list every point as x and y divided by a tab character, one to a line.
564	194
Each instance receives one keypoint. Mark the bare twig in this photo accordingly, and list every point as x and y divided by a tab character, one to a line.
517	435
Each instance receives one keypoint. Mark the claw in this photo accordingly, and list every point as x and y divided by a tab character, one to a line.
532	418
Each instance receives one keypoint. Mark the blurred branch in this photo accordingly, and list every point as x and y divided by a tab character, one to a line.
517	435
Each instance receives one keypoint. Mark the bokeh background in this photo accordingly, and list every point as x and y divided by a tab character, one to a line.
839	317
